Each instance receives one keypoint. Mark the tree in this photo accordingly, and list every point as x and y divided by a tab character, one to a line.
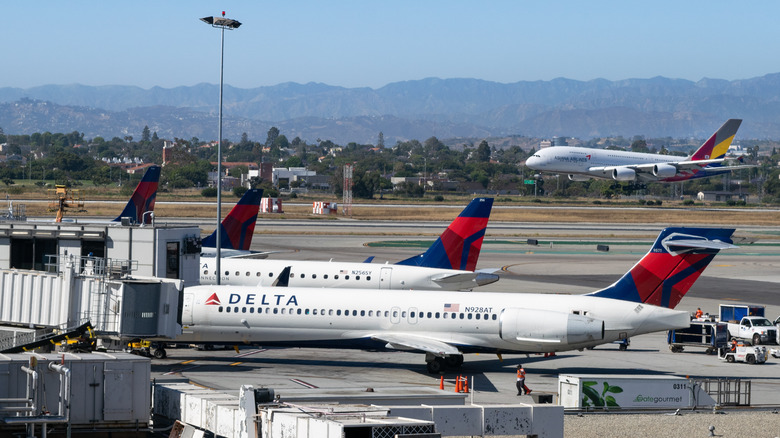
483	152
146	136
380	142
273	134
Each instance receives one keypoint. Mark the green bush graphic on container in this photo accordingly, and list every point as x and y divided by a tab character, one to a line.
594	399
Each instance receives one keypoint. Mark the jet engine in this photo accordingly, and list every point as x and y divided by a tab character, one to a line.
623	174
664	170
537	329
576	177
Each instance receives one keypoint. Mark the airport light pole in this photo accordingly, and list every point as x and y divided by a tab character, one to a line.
221	23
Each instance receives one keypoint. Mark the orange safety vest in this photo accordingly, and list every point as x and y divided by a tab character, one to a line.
521	374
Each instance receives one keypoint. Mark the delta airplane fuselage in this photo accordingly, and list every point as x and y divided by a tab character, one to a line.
247	272
438	323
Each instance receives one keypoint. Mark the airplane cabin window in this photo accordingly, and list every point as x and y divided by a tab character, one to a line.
247	273
292	275
346	277
411	314
258	274
437	315
468	316
322	312
325	276
276	310
227	309
251	310
283	310
299	311
362	313
270	274
395	313
403	314
461	316
206	272
227	273
370	313
306	312
477	316
220	309
354	313
430	314
338	312
336	277
330	312
368	278
303	275
314	311
235	309
357	277
313	275
495	317
237	273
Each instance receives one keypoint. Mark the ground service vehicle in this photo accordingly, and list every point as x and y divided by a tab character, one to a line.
701	334
748	322
751	354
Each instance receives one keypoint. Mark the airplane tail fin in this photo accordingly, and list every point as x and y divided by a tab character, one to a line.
717	145
143	198
239	225
666	273
458	247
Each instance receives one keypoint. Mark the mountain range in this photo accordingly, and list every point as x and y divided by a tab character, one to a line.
445	108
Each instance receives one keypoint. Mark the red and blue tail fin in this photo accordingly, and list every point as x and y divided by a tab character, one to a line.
717	145
667	272
458	247
239	225
143	198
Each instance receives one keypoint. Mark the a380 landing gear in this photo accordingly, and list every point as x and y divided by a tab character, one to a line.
437	365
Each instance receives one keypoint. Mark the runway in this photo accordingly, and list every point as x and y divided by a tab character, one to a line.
749	274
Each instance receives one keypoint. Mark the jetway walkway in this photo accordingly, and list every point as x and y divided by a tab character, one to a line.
85	295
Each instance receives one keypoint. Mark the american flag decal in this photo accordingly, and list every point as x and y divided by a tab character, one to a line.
213	300
451	307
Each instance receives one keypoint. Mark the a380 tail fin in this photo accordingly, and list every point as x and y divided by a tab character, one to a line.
666	273
458	247
239	225
717	145
143	198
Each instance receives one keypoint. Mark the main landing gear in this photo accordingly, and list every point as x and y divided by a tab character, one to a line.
437	364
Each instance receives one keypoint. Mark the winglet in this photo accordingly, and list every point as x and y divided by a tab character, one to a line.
459	246
717	145
239	225
143	198
666	273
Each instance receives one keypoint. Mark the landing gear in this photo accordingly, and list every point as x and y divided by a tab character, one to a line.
454	361
436	365
159	352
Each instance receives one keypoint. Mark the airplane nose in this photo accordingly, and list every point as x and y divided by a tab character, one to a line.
532	162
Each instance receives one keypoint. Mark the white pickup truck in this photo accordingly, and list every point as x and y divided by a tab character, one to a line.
756	329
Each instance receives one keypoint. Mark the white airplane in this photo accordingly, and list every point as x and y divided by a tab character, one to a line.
449	264
445	325
582	164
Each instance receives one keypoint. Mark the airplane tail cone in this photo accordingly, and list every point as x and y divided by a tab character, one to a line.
239	225
143	198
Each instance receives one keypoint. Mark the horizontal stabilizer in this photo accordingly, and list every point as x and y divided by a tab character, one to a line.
478	278
406	341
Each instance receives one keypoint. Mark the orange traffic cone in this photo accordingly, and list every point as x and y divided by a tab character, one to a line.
466	385
457	384
441	383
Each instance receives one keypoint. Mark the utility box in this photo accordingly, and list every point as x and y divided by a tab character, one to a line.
599	391
109	390
735	312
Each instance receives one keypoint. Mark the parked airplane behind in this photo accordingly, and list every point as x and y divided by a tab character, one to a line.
143	198
237	228
448	264
445	325
583	164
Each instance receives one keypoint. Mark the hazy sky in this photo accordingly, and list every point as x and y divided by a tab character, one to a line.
371	43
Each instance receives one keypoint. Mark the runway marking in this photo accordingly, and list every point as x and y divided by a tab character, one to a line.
250	352
187	361
304	384
180	370
235	363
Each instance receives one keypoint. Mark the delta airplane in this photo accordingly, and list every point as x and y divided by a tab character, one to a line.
143	198
582	164
237	230
448	264
446	325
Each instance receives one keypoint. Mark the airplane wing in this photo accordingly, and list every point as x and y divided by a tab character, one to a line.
479	278
408	341
252	256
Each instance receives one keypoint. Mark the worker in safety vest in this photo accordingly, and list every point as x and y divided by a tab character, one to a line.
521	388
699	313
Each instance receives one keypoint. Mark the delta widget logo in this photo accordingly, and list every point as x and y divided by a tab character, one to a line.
213	300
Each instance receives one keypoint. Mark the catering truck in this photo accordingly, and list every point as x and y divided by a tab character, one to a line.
747	321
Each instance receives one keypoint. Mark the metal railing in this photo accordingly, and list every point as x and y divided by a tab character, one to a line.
728	392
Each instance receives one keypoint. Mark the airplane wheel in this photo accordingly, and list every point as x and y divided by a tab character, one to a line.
160	353
730	358
750	359
454	361
436	365
756	339
623	347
